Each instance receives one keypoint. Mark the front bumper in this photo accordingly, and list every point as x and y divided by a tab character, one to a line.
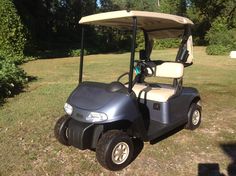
83	135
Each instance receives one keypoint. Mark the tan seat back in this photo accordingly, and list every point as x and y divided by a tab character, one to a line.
169	70
190	49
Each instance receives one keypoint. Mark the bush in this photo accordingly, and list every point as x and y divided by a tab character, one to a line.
12	78
221	39
158	44
166	43
76	52
217	50
12	33
140	41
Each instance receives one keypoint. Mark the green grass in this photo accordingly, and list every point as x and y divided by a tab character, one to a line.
28	146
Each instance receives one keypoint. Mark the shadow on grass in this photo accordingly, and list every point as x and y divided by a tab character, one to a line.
17	90
213	169
50	54
230	150
209	169
72	52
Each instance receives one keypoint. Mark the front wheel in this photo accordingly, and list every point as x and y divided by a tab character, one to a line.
61	129
194	116
115	150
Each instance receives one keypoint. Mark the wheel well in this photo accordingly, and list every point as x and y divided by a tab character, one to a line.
119	125
122	125
195	100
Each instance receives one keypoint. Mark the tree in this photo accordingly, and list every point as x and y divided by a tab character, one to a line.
12	44
53	24
148	5
12	32
176	7
205	12
221	39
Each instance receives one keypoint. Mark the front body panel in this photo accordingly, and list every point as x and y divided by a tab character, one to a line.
117	103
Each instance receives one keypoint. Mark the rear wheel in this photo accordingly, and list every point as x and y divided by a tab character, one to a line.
61	129
115	150
194	116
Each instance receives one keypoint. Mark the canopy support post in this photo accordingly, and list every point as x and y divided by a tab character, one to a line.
81	56
133	43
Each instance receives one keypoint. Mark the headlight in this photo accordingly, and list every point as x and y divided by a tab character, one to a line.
96	117
68	108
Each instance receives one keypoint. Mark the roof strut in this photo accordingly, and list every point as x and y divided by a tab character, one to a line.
133	43
81	56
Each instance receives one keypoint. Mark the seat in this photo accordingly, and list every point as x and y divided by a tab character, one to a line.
160	92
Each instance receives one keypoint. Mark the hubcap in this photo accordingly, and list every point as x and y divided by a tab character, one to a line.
120	153
196	117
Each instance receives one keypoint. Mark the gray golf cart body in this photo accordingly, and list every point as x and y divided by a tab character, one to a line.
145	111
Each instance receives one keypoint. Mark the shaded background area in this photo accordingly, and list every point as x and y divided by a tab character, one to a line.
53	28
53	24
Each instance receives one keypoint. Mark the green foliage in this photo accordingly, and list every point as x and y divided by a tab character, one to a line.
166	43
177	7
12	78
12	33
204	13
76	52
12	44
148	5
166	6
217	50
140	41
158	44
221	39
17	59
53	21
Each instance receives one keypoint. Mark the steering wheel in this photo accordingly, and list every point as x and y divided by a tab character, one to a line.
124	74
144	68
141	68
121	76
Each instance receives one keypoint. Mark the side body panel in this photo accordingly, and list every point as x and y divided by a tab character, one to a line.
161	117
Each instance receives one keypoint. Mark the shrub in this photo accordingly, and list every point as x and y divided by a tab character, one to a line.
76	52
140	41
221	39
158	44
217	50
12	33
166	43
12	78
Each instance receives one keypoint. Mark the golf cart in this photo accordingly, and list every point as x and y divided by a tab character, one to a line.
107	118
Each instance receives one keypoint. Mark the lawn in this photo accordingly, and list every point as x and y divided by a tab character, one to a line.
28	146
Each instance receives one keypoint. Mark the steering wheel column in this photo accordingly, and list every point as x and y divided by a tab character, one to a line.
142	70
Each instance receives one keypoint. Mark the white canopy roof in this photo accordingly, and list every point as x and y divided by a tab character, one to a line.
157	25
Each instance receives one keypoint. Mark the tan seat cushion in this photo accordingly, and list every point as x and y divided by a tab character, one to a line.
159	94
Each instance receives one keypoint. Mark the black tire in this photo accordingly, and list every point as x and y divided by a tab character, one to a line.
194	116
60	129
111	141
